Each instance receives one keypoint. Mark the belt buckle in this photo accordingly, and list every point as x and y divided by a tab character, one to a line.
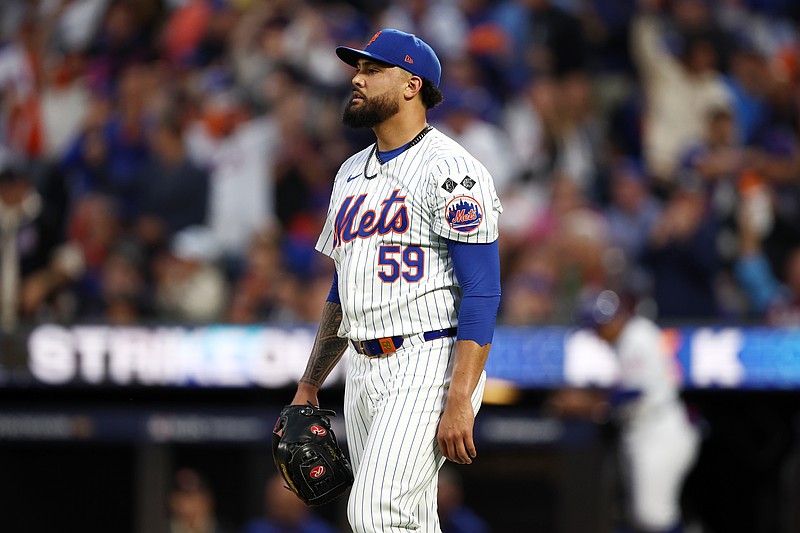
362	349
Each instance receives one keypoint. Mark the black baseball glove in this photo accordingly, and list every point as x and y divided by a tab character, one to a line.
307	455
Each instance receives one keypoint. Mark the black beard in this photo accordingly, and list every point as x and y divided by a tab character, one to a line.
373	111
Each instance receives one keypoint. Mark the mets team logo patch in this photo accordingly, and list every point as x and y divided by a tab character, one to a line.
464	214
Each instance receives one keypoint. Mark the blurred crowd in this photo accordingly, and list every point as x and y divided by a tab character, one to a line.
171	160
192	508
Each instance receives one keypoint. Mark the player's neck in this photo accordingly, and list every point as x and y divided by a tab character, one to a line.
399	130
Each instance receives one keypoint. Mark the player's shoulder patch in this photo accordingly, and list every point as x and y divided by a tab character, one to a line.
464	214
455	184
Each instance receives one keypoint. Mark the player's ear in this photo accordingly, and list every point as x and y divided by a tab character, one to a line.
413	87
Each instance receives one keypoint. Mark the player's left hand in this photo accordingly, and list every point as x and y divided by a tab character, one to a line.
455	431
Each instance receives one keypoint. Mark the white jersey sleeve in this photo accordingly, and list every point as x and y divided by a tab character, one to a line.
465	206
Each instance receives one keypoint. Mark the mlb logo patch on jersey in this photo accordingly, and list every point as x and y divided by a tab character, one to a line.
464	214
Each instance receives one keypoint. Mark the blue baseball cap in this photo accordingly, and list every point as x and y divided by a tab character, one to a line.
400	49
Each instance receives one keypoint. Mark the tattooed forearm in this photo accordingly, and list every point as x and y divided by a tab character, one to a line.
328	347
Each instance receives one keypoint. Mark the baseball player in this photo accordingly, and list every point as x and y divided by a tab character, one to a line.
412	230
658	443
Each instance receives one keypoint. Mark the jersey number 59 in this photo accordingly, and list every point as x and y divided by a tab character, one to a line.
413	263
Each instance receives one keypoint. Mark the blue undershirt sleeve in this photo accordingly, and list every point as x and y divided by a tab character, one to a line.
333	296
477	268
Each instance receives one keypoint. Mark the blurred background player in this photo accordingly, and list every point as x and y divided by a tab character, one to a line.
658	444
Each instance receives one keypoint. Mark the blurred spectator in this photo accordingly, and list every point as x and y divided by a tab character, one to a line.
109	156
306	156
746	82
454	515
689	19
184	30
606	28
680	88
258	46
64	102
219	26
772	299
682	256
20	252
530	288
530	120
631	214
718	162
555	44
308	40
255	294
465	83
554	130
295	295
717	156
190	287
106	91
93	231
238	150
173	191
580	149
285	513
578	232
124	40
192	505
495	42
437	22
75	22
125	296
20	117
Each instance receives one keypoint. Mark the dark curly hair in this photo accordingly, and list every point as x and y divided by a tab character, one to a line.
431	95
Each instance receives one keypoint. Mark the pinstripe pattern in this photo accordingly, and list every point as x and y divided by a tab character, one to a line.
386	236
374	308
392	409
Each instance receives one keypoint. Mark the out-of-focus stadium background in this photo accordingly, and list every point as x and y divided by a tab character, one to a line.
165	167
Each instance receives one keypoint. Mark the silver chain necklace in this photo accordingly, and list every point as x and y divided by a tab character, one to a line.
377	155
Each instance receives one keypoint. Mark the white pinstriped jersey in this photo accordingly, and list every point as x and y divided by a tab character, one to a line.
387	234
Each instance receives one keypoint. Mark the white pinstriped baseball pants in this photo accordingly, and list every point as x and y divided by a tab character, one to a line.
392	406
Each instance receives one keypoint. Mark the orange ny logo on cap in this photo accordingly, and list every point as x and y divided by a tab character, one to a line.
373	38
408	59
